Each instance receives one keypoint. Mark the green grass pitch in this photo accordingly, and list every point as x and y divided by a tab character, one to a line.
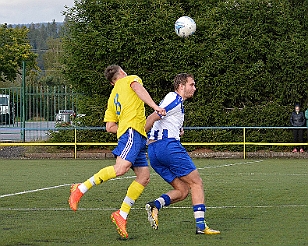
252	202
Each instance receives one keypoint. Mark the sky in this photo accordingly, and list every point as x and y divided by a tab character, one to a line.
32	11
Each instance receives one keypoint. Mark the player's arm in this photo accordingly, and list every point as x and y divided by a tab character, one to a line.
111	127
151	120
143	94
181	131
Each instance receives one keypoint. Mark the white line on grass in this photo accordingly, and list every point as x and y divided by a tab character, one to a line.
31	191
256	206
119	178
52	187
275	174
231	164
171	207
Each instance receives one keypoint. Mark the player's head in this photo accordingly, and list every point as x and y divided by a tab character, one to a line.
184	84
113	73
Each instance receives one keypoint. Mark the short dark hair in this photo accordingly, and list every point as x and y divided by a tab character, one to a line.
181	79
111	72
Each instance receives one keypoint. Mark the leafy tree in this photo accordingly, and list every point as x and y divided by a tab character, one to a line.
46	43
262	49
129	33
38	35
14	48
248	56
53	67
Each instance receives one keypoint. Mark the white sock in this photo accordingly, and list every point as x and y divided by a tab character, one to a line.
123	214
83	188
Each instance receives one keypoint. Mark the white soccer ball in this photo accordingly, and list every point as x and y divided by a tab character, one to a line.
185	26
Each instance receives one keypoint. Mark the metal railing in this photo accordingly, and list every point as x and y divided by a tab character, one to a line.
36	104
75	144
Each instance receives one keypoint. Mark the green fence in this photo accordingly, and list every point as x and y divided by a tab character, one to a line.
43	103
35	107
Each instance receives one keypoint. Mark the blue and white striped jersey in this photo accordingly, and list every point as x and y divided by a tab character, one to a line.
169	126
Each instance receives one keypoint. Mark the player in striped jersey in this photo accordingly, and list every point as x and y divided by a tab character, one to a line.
170	159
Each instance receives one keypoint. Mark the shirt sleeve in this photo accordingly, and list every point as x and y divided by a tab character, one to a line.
135	78
166	101
170	101
110	114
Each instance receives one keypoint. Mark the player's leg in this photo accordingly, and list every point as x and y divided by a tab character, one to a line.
182	166
179	193
195	183
125	157
180	190
158	153
137	155
135	189
78	190
119	218
141	169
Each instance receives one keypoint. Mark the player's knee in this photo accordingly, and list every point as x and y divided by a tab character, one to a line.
121	166
143	175
120	170
144	180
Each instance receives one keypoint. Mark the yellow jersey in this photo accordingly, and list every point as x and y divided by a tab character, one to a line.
125	107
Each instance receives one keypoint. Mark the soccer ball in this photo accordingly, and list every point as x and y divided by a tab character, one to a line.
185	26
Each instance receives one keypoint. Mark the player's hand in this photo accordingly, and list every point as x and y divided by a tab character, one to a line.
181	132
160	111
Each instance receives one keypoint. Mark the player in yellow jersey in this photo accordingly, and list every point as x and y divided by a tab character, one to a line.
125	116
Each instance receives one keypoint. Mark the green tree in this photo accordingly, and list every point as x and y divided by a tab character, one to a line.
248	56
53	67
38	36
134	34
14	48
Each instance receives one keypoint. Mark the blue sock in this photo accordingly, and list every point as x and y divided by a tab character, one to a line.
162	201
199	211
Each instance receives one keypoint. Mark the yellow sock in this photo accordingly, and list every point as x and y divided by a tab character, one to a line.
102	176
133	192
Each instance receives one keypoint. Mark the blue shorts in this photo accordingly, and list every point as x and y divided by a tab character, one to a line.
132	147
170	159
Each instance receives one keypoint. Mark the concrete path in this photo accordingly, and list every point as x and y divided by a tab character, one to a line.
34	131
